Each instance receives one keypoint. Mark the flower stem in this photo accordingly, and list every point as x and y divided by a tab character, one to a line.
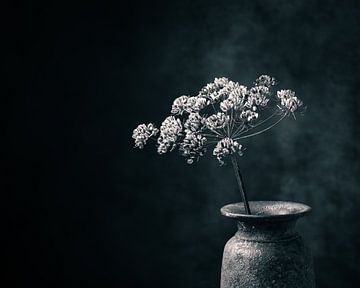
259	132
241	184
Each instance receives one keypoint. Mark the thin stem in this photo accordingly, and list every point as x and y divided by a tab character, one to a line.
241	184
212	104
238	133
238	130
228	127
217	133
231	121
261	131
263	121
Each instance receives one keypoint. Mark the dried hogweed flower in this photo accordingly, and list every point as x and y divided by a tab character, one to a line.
170	130
195	104
249	115
211	90
179	104
288	100
193	146
221	82
217	121
238	112
194	122
258	96
265	80
235	100
142	133
226	147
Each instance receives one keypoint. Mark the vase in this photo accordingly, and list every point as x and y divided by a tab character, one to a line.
266	251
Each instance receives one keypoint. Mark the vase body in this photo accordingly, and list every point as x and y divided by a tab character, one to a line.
266	251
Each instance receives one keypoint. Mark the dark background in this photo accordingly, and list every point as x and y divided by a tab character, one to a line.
88	210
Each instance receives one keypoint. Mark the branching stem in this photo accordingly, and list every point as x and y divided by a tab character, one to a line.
261	131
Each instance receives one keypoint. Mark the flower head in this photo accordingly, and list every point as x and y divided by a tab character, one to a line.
142	133
217	121
236	98
195	104
193	146
194	122
249	115
212	90
179	104
170	130
258	96
226	147
238	113
288	100
265	80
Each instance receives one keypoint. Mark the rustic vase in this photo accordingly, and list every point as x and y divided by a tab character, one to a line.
266	251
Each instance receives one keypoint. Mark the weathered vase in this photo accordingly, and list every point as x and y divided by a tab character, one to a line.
266	251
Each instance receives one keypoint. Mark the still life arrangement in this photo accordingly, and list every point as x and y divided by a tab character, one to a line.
265	251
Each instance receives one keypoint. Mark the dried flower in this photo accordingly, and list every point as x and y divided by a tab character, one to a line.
142	133
221	82
226	147
193	146
217	121
288	100
212	91
249	115
179	104
194	122
170	130
265	80
235	99
239	112
258	96
195	104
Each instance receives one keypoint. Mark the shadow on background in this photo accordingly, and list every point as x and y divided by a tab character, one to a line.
90	211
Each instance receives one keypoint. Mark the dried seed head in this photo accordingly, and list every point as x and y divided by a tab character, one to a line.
226	147
142	133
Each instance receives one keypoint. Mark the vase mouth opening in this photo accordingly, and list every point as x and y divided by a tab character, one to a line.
266	210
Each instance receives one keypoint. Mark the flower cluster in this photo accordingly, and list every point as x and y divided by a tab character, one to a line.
170	130
235	100
258	96
226	147
193	146
236	112
265	80
288	100
195	104
194	123
217	121
249	115
142	133
214	91
188	104
179	105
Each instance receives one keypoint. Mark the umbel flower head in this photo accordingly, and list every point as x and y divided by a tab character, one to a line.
219	117
226	147
142	133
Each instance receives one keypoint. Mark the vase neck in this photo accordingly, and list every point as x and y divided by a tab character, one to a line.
269	221
266	231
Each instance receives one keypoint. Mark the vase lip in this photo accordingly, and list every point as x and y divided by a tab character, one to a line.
266	210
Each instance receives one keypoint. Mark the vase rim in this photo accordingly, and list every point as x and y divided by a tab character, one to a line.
266	210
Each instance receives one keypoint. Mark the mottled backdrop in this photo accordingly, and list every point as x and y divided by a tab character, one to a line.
88	210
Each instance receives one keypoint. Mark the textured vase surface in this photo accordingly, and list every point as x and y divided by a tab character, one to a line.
266	251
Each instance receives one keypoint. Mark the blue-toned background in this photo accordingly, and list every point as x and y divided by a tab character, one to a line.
88	210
